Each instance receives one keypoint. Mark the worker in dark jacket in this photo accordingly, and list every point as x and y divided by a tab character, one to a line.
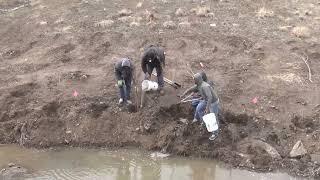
209	101
153	57
124	74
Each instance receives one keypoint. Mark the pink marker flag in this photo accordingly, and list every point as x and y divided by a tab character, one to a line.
254	100
75	93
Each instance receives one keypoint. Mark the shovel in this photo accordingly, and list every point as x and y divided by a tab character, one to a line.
172	83
188	99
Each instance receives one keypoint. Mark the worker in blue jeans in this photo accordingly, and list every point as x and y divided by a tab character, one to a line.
201	108
209	102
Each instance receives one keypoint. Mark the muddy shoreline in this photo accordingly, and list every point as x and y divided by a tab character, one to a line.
238	145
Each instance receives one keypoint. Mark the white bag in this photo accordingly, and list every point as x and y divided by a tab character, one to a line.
211	122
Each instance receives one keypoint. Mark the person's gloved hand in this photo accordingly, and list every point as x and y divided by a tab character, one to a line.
147	76
120	83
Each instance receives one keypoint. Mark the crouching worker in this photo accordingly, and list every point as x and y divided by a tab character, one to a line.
196	96
124	75
208	103
154	58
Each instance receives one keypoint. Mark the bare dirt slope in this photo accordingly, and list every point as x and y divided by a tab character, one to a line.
251	49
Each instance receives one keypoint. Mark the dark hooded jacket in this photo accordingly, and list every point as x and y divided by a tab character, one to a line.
153	56
120	67
205	90
194	88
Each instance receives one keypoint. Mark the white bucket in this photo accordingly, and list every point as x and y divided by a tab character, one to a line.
149	85
211	122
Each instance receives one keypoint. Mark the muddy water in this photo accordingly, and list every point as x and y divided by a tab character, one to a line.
76	163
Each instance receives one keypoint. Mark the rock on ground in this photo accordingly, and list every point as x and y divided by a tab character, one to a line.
301	31
180	12
284	28
184	24
210	14
315	158
298	150
125	12
213	25
201	11
43	23
272	152
183	120
150	16
268	148
13	172
169	25
159	155
263	12
126	19
134	24
139	5
104	23
11	164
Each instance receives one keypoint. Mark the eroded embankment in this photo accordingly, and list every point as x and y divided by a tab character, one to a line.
243	141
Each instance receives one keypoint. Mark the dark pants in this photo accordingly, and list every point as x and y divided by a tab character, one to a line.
159	74
126	90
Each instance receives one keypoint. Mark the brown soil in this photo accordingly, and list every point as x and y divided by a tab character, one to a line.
51	48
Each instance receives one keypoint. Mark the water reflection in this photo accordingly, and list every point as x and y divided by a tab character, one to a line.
75	163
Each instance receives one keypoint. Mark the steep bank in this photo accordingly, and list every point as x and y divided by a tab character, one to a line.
97	122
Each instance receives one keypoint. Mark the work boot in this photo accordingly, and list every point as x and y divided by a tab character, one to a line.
212	137
161	91
194	121
120	101
129	102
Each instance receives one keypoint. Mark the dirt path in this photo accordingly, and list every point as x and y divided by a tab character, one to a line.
49	49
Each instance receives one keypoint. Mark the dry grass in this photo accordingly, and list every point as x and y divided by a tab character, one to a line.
289	78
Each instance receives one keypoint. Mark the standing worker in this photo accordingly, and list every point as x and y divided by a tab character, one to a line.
209	101
124	75
154	57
